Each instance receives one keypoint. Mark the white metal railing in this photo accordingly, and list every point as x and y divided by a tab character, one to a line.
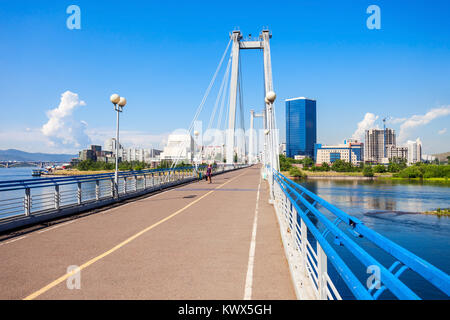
305	262
41	196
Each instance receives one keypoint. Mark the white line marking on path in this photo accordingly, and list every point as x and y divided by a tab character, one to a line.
13	240
57	226
251	254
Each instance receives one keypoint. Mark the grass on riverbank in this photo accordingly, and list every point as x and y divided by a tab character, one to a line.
307	173
441	180
439	212
342	174
387	176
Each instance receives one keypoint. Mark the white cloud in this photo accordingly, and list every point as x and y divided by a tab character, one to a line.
421	120
62	129
442	131
395	120
367	123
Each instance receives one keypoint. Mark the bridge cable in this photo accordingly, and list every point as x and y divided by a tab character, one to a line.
221	127
220	94
200	107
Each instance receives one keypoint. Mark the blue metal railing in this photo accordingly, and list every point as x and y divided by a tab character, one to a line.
298	203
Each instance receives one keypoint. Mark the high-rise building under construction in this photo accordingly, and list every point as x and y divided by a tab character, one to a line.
376	143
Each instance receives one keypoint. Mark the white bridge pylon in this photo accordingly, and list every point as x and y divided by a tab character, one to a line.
271	160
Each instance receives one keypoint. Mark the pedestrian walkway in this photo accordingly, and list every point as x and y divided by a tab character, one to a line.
198	241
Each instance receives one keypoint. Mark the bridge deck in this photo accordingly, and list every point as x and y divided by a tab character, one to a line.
191	242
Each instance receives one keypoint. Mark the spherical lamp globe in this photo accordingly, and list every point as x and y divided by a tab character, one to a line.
122	102
271	96
115	98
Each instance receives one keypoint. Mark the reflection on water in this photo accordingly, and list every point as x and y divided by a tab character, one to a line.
393	208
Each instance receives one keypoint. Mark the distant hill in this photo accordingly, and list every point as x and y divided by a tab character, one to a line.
17	155
442	156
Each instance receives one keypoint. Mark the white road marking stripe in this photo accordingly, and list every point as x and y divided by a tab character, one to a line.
251	254
57	226
13	240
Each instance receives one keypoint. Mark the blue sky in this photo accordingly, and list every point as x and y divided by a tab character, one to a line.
161	56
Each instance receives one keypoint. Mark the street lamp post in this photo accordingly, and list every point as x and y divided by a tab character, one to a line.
271	141
119	103
196	133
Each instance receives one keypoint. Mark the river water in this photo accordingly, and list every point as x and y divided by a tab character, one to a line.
388	207
7	174
392	209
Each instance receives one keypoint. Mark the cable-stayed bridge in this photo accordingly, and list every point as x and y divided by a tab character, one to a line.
168	234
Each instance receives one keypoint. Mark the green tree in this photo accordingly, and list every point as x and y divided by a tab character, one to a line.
379	168
296	172
325	166
341	166
285	163
411	172
164	164
308	162
367	171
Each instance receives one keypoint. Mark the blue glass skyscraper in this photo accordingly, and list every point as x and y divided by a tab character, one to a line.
301	127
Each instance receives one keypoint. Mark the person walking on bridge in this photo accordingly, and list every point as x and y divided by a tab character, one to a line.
209	173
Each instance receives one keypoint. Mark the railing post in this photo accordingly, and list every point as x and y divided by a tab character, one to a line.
322	272
27	201
304	237
57	197
135	183
113	189
97	190
79	193
145	181
153	179
125	185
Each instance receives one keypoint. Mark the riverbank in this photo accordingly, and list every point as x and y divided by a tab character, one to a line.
387	176
439	212
440	180
337	175
75	172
